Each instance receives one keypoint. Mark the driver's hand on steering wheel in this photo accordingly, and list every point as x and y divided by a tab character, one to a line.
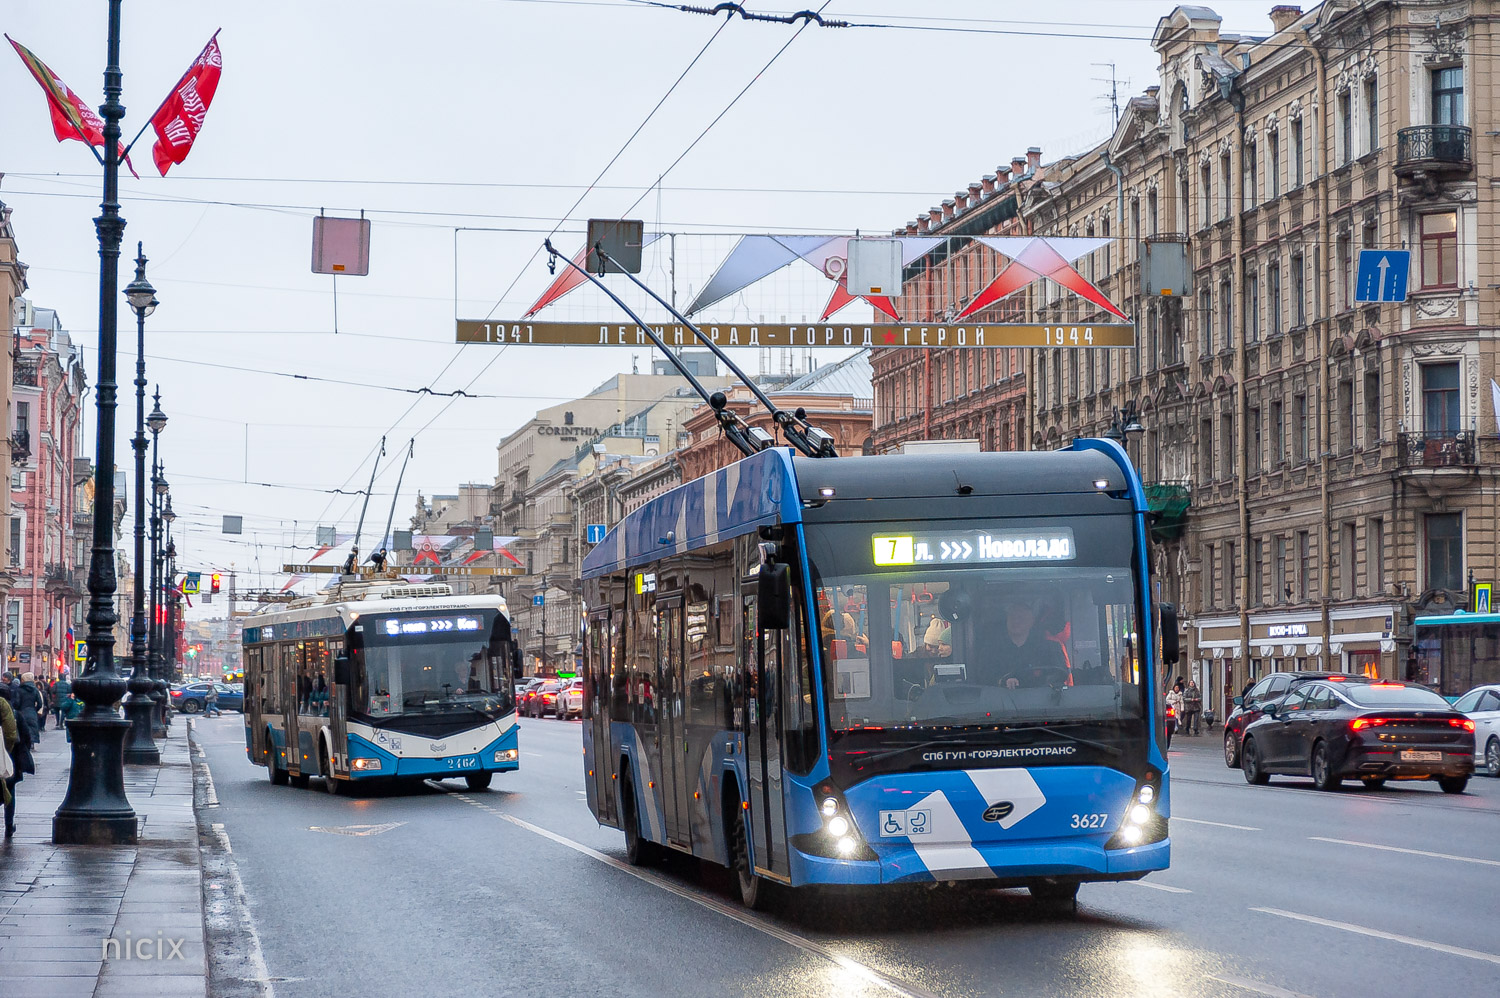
1012	683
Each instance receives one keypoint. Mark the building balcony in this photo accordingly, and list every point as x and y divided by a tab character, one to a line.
25	374
1428	152
64	580
20	446
1169	503
1437	449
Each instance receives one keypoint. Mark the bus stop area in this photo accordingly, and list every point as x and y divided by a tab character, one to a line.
104	921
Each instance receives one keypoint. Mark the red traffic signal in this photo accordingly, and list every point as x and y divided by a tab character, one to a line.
213	583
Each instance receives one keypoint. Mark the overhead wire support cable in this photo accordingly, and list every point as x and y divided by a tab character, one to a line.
743	437
794	426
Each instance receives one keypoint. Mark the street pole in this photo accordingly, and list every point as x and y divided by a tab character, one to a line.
95	810
141	706
156	422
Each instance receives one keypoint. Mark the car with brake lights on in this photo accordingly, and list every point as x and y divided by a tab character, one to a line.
1366	731
539	703
569	700
1482	706
1249	707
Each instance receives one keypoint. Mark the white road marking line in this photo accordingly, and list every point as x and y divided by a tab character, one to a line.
1412	852
714	904
1216	824
1161	887
1269	990
534	755
1391	936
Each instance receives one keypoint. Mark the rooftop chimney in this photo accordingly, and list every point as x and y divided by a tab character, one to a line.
1034	157
1018	167
911	228
923	224
935	216
948	208
976	192
1284	16
961	199
987	184
1002	176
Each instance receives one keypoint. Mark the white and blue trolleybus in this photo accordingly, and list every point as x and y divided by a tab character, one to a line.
381	681
878	670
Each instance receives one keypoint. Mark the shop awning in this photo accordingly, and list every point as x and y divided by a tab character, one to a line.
1169	502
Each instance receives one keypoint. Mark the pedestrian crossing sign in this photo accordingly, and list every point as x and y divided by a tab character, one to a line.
191	582
80	651
1482	597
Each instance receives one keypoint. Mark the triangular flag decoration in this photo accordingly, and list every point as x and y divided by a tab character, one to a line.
180	117
1033	257
571	278
71	117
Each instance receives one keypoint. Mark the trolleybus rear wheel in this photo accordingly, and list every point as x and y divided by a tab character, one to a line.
278	775
478	781
639	851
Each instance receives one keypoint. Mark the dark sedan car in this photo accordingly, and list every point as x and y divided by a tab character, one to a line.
1273	687
191	698
1371	732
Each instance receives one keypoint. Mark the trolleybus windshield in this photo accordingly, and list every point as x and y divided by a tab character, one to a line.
450	662
998	632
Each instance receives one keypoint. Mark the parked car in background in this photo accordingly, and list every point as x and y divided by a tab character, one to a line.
570	700
1482	706
527	692
1372	732
1248	708
540	702
190	698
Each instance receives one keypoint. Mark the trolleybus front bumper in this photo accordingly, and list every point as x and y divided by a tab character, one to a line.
451	756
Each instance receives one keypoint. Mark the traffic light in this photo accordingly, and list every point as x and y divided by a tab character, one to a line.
213	583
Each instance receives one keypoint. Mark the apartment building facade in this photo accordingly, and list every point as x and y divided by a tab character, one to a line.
12	286
1319	460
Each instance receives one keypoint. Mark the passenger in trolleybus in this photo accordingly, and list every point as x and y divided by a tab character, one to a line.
1029	650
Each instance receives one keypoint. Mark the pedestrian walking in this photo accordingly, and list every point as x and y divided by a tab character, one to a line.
61	690
28	707
71	708
211	701
1192	707
9	772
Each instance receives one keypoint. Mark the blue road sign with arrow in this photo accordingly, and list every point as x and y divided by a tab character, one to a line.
1382	275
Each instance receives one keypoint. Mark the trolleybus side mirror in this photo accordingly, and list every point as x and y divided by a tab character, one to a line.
1169	648
341	668
774	602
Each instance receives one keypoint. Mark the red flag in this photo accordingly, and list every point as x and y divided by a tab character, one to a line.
71	117
180	117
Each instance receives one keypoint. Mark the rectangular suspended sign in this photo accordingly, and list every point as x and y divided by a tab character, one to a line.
745	334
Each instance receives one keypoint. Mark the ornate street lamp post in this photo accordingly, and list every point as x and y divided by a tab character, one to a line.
95	810
156	422
140	707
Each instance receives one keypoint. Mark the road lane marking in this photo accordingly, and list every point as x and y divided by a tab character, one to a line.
1379	934
1412	852
1269	990
358	831
713	904
1161	887
1216	824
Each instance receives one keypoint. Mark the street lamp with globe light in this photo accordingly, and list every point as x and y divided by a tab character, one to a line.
140	705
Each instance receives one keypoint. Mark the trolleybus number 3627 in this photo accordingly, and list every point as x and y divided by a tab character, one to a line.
1061	336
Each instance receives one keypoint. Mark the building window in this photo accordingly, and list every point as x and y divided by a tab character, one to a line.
1258	574
1151	214
1448	95
1347	557
1206	450
1135	219
15	540
1375	556
1252	175
1226	191
1231	575
1273	279
1440	398
1439	233
1226	442
1346	415
1226	314
1205	322
1372	408
1252	307
1346	127
1346	264
13	623
1304	564
1445	551
1372	114
1299	291
1273	165
1278	571
1299	429
1104	234
1257	453
1206	196
1278	435
1184	201
1297	153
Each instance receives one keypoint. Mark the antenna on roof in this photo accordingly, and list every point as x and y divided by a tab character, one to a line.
749	439
794	426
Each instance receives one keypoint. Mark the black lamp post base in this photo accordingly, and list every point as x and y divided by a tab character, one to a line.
140	750
95	811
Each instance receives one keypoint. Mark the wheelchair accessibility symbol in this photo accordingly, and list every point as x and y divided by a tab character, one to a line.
894	823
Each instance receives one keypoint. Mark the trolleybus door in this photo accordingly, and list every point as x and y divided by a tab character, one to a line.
670	730
596	725
762	711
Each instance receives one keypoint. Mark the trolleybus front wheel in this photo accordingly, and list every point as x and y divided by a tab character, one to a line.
478	781
330	784
639	851
755	892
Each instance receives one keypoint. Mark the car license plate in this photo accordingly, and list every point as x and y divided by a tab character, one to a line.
1411	755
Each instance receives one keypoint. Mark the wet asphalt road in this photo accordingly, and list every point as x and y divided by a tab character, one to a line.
1277	891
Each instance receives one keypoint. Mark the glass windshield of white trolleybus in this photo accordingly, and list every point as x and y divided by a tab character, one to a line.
963	643
453	663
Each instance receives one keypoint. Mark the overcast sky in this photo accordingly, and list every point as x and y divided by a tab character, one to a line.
487	115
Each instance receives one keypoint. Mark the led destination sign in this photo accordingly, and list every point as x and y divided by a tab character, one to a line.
408	627
974	547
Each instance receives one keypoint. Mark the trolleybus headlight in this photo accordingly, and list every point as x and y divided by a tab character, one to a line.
847	846
1147	794
830	807
1132	834
1140	814
505	755
364	764
838	826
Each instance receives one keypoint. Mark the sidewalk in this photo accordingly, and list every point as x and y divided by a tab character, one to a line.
60	906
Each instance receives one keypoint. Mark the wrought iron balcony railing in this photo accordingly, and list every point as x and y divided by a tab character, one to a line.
1438	449
1434	147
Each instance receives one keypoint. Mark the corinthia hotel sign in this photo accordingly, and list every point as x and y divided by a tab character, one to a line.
1028	259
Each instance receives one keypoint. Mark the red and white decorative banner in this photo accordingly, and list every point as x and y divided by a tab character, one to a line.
71	117
180	118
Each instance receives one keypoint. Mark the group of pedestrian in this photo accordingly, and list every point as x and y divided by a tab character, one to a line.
1187	701
24	707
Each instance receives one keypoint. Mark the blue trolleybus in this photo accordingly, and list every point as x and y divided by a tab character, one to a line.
878	670
381	681
1456	652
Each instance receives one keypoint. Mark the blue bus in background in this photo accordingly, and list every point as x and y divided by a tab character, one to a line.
875	670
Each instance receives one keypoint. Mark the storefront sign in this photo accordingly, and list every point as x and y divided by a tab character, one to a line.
1286	631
